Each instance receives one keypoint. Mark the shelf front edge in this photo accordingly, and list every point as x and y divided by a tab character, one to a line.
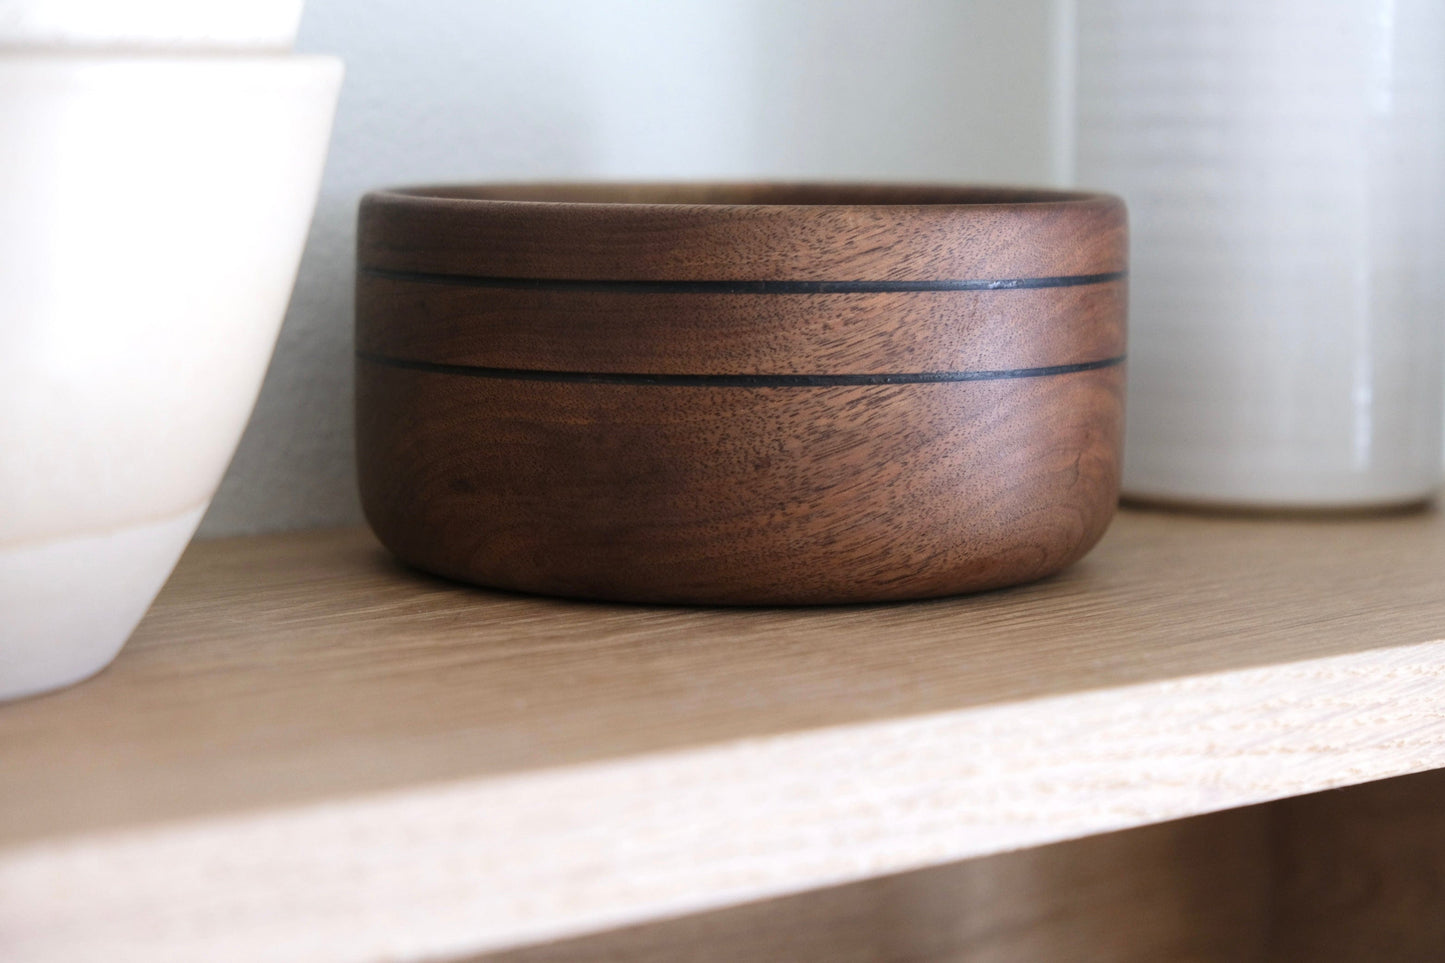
455	868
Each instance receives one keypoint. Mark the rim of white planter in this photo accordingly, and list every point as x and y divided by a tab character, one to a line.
150	25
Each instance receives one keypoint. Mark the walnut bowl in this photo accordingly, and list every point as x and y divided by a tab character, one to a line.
740	394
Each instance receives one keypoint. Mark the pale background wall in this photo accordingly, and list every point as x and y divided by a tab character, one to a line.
443	90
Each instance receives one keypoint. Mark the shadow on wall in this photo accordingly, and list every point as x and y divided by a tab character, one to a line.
520	89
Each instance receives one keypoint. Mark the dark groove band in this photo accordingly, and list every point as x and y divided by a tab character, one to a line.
734	380
741	287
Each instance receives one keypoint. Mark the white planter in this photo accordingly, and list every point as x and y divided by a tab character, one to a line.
1284	166
256	25
154	212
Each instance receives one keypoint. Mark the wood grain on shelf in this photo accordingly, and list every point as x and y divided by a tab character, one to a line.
340	760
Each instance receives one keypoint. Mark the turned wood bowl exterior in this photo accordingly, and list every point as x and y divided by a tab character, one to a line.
740	394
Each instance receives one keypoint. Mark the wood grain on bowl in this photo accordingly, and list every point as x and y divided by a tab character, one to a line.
740	394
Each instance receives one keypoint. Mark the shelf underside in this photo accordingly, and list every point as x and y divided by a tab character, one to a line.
1348	876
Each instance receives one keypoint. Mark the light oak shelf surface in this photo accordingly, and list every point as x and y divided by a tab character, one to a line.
307	752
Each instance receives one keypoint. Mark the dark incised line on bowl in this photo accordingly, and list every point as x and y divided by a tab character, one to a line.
733	380
741	287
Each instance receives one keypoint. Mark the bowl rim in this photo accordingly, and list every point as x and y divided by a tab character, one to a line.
675	194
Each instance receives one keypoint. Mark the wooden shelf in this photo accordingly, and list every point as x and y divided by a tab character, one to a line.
308	752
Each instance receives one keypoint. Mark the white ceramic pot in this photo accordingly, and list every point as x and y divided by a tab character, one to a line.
154	212
255	25
1284	166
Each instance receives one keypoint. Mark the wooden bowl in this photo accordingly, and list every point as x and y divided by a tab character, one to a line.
740	394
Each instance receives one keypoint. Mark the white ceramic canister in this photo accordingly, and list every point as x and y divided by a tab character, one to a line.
1284	166
153	214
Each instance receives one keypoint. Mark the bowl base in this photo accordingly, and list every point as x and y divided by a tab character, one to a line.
71	603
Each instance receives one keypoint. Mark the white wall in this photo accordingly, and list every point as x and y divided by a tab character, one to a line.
441	90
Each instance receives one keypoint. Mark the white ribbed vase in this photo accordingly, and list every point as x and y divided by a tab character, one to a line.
1284	165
